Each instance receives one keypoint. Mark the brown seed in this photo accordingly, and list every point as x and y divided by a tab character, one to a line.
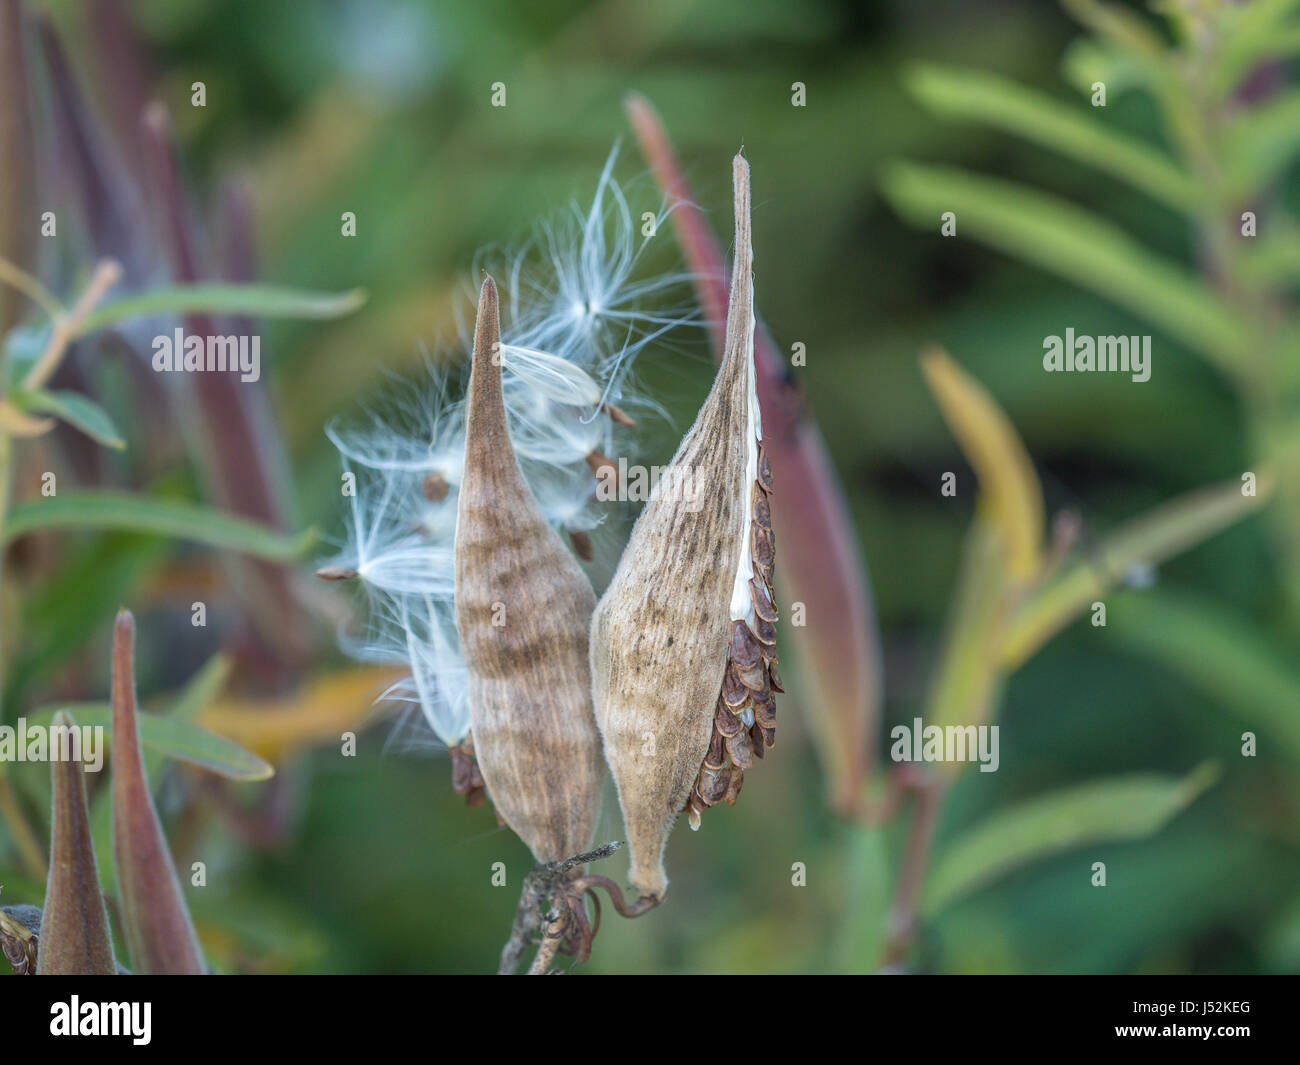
435	487
581	544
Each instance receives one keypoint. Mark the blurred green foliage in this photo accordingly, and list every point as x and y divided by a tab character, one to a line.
383	110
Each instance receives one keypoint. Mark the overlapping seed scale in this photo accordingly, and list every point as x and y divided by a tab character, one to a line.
744	722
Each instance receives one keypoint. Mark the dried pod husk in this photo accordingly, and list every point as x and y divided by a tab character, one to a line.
683	641
74	939
523	608
159	932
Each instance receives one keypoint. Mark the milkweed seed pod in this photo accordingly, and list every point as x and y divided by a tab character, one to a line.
582	306
683	643
159	931
523	608
74	936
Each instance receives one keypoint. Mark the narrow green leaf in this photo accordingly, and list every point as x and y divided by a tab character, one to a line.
1251	35
176	738
1218	653
1121	808
23	345
160	517
1088	61
77	410
967	682
1261	144
985	97
1148	540
1075	245
1273	259
201	689
1124	28
257	301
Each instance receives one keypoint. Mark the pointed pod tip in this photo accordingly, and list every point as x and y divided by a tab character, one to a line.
156	118
124	625
638	108
487	324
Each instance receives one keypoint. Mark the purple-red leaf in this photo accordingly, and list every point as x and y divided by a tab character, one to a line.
18	216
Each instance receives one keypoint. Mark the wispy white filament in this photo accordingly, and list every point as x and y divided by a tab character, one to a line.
574	319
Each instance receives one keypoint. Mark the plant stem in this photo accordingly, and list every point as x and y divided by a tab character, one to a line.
901	931
67	326
550	946
546	879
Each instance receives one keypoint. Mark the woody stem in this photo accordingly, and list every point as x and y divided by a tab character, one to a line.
544	880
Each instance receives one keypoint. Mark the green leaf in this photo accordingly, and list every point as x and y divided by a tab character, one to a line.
160	517
1148	540
1220	654
65	611
1121	808
1088	61
974	94
258	301
22	348
1125	29
1274	257
1261	144
968	679
201	689
175	738
77	410
1075	245
1250	36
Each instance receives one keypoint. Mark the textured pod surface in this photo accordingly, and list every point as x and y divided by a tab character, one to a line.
523	608
663	634
74	938
159	932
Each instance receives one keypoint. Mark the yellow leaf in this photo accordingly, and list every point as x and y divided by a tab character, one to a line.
996	453
318	712
15	422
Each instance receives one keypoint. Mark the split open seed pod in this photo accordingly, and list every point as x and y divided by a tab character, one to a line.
683	643
523	608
